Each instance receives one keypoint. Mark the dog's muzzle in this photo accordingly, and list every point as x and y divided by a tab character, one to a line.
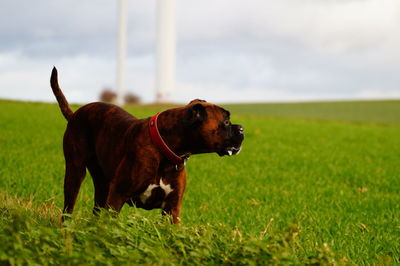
234	144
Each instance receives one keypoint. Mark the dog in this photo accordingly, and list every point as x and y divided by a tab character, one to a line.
139	161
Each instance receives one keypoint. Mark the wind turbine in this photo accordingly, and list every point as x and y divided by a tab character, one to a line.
166	49
121	51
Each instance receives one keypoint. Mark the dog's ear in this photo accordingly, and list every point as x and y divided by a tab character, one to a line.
196	113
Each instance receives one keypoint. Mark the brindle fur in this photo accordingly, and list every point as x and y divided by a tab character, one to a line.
123	161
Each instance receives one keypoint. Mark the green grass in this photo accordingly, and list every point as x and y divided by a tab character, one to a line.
358	111
315	183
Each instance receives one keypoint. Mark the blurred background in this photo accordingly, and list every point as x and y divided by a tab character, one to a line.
226	50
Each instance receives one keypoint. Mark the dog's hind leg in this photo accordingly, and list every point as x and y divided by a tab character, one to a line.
75	153
101	185
74	175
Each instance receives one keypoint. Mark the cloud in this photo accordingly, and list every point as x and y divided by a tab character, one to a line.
49	28
228	50
82	77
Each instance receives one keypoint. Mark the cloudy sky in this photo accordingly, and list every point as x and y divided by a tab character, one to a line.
227	50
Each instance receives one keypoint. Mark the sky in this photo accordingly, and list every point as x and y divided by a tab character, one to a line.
227	50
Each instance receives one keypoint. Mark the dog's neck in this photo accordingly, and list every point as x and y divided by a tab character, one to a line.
171	131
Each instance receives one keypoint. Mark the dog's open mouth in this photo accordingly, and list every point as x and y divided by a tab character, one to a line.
230	151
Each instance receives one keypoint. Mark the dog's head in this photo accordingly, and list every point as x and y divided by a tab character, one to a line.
209	129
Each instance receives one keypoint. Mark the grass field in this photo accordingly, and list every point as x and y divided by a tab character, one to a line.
316	183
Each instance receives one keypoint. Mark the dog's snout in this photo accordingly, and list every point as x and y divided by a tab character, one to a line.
237	131
241	130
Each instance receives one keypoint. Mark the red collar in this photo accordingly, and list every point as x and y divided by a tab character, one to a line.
161	145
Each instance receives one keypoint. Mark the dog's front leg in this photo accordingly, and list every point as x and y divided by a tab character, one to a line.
172	203
129	180
116	199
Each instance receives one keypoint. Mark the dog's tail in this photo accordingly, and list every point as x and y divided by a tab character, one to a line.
62	102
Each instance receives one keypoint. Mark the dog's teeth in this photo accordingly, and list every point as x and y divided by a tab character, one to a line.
229	152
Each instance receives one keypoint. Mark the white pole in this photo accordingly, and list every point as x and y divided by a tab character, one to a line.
121	51
166	50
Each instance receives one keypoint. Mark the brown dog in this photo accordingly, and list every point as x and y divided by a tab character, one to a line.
139	161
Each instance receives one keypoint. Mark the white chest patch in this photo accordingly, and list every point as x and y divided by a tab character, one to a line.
167	188
147	193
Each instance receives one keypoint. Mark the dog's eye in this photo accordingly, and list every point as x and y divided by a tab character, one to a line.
227	123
